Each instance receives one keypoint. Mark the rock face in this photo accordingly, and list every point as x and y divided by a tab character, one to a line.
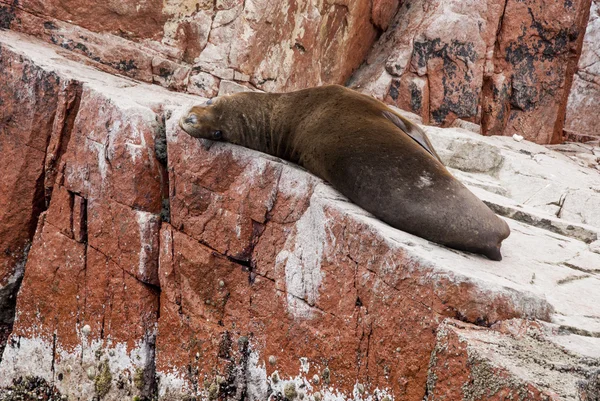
581	122
506	65
193	45
516	360
169	267
26	121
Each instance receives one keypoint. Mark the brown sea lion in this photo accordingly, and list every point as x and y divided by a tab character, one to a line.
378	159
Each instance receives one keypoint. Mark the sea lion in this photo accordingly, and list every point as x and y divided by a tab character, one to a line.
376	158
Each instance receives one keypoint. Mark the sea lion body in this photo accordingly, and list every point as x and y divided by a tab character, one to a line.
364	150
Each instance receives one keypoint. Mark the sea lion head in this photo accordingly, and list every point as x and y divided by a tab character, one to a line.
202	122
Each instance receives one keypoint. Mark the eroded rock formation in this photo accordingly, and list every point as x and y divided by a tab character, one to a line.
584	99
164	266
157	266
506	65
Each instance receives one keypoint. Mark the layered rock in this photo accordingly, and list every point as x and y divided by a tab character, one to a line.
516	360
581	123
173	267
26	121
506	65
193	45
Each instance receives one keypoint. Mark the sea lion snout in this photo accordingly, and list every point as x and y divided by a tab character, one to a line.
190	123
201	122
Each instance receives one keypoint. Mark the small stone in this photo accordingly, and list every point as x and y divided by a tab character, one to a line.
221	283
517	137
275	377
316	379
243	343
317	396
398	349
86	330
326	375
360	388
91	372
272	359
111	352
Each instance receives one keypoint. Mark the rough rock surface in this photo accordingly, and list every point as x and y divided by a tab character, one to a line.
582	112
192	45
517	360
504	64
175	267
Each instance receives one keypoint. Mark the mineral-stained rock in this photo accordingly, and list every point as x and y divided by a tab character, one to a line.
28	102
275	45
504	64
517	360
582	111
87	318
538	47
171	267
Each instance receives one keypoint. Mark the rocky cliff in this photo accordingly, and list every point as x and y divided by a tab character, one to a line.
151	265
506	65
163	266
581	122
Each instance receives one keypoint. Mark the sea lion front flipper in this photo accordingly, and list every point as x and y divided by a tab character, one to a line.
413	131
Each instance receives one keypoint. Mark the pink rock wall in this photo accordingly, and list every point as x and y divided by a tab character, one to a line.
506	65
193	45
170	267
26	123
581	122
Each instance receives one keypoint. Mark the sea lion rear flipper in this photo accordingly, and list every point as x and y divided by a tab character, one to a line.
413	131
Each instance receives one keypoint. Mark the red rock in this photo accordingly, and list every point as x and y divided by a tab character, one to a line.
581	118
537	51
127	19
89	301
28	103
302	280
383	11
516	362
506	65
275	47
267	275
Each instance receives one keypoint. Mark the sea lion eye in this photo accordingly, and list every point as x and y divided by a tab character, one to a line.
209	102
217	134
191	119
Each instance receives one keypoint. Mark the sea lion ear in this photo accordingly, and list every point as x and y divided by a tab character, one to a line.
413	131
